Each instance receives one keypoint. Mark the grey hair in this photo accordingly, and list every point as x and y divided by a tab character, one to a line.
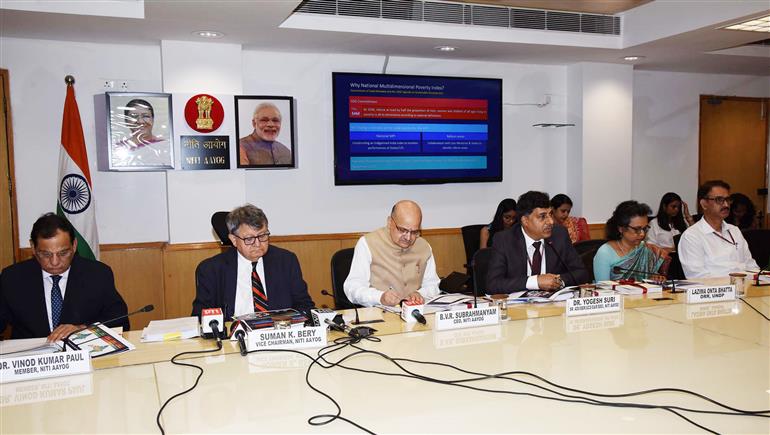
266	105
248	215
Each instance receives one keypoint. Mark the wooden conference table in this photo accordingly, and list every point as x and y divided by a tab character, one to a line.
721	350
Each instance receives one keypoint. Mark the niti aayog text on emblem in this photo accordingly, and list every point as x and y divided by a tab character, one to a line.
204	113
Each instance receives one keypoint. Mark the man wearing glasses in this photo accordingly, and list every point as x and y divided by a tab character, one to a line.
712	247
534	254
252	277
57	291
393	263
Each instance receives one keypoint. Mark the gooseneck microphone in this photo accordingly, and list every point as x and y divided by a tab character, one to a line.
569	272
67	342
619	270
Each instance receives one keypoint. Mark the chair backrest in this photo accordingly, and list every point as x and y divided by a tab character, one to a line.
220	227
471	240
587	256
588	245
480	265
340	263
759	245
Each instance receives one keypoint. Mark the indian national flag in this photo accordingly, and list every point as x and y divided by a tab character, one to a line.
75	200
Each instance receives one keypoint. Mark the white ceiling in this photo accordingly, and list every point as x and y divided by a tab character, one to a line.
255	25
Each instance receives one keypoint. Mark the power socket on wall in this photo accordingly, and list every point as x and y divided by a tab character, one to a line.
124	85
118	85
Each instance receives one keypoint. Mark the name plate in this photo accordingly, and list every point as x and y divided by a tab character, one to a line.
701	294
299	338
594	323
25	368
467	318
594	305
718	309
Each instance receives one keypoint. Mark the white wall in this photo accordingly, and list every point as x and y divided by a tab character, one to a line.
666	128
130	207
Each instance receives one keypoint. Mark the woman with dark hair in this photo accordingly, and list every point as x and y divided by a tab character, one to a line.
505	217
742	212
672	219
626	249
577	227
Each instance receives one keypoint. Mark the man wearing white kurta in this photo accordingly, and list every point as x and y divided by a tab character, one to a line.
712	247
393	263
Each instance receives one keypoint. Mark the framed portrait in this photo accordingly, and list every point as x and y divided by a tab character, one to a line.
264	126
140	132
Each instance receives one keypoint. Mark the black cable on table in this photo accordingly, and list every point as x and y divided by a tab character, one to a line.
753	308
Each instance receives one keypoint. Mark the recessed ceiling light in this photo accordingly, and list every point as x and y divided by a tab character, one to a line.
208	34
632	58
445	48
761	24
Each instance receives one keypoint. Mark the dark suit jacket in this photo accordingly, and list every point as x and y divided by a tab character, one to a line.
216	279
508	262
90	297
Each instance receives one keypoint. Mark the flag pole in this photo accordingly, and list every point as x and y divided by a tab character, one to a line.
69	80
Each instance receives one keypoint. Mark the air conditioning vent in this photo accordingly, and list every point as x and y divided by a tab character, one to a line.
409	10
490	16
435	12
464	13
528	19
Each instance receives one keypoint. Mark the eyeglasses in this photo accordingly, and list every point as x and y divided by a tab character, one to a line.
721	200
405	232
639	230
264	237
49	255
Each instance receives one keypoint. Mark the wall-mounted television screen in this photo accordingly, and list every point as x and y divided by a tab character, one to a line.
406	129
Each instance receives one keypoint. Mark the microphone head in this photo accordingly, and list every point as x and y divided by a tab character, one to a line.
617	270
147	308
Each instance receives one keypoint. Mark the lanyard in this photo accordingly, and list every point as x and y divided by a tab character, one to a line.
731	241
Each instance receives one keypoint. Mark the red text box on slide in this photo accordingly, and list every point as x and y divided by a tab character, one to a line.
418	108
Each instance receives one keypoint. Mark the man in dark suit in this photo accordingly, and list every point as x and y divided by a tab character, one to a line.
534	254
57	292
250	277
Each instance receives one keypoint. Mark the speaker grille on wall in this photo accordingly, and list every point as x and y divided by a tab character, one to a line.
468	14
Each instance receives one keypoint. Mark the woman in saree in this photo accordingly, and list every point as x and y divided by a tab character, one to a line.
625	255
577	227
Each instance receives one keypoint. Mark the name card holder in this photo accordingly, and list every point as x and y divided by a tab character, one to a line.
289	338
594	305
25	368
704	294
467	318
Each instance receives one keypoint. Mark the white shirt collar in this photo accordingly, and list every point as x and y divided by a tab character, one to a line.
246	261
64	275
528	241
706	228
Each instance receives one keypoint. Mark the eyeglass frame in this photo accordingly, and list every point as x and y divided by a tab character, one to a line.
720	200
638	230
63	254
263	238
406	232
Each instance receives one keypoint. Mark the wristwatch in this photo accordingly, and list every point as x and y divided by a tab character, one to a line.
559	280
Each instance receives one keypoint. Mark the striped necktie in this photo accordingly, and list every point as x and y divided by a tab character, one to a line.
257	290
57	302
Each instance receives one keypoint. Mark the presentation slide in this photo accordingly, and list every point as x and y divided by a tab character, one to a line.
416	129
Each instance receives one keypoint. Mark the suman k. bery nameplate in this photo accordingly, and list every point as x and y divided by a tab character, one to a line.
468	318
594	305
289	338
25	368
710	293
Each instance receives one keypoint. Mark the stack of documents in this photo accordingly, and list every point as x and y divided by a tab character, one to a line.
633	288
171	329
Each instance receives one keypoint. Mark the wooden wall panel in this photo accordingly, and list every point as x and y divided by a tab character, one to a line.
448	251
179	263
315	260
139	279
596	230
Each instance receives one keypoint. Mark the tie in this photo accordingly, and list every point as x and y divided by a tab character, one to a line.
536	259
257	290
56	302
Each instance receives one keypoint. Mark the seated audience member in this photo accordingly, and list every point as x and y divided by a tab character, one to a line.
743	214
253	276
626	249
57	292
505	217
713	247
672	219
534	254
393	263
577	227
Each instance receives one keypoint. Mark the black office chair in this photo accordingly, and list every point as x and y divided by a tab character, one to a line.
759	245
471	240
340	263
480	265
220	227
588	245
587	256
